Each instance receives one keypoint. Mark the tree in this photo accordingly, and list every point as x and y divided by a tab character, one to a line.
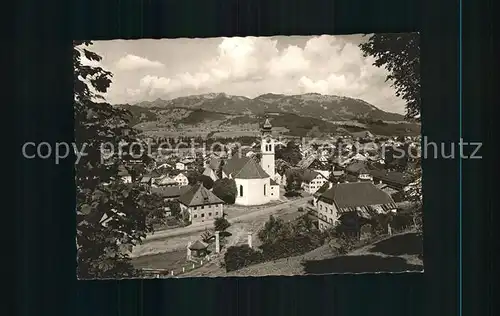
293	183
237	257
221	224
273	230
111	216
225	189
207	181
400	55
290	153
174	207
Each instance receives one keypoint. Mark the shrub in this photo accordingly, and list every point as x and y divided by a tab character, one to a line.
237	257
292	194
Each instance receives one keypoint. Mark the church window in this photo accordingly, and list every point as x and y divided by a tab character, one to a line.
202	214
265	189
241	190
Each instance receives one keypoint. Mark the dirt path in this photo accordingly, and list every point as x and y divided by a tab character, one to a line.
177	239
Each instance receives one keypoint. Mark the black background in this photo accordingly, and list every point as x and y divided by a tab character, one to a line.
45	247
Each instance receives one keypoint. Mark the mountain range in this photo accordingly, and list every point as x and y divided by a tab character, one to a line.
326	107
295	114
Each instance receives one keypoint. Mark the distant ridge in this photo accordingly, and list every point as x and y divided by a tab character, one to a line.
326	107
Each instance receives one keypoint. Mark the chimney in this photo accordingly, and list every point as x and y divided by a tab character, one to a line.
217	242
188	250
250	240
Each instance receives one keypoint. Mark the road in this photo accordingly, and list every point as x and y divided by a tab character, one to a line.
238	219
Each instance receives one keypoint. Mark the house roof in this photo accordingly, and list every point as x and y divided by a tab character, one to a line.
170	192
357	167
391	176
198	245
208	172
214	163
122	171
273	182
306	162
244	168
357	194
309	175
145	179
322	189
199	195
167	180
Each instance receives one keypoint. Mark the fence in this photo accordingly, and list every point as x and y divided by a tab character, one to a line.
165	273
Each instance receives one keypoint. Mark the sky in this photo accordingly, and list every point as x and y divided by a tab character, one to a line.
148	69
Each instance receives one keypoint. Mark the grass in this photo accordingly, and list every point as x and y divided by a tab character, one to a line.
398	253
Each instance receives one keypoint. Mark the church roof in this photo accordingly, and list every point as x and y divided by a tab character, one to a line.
199	195
244	168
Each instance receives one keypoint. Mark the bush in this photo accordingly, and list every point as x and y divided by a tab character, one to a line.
221	224
289	246
292	194
238	257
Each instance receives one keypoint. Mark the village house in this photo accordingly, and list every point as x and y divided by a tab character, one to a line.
393	179
201	204
358	171
124	174
180	166
181	179
312	181
363	198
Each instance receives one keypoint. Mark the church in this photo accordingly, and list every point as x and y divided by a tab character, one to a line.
255	183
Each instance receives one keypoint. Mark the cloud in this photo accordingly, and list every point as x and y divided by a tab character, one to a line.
132	62
251	66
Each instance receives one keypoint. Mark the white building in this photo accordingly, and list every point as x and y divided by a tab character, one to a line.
180	166
181	179
363	198
255	183
201	204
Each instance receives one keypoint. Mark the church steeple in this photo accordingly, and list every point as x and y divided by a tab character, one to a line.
267	127
267	149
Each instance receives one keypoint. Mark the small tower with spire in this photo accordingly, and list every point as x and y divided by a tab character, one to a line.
267	149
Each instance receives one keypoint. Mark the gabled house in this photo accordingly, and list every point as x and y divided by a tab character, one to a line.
361	198
312	180
181	179
201	204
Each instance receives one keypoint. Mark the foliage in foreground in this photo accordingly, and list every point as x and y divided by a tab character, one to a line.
111	216
400	55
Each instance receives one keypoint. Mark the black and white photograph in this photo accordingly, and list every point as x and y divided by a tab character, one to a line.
248	156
